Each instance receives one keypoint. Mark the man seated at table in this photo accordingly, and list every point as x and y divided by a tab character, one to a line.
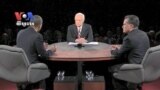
135	45
32	43
79	32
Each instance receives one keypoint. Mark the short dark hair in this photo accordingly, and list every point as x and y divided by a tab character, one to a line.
133	19
37	20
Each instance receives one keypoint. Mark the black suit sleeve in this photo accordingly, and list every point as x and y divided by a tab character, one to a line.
70	38
90	34
126	46
40	47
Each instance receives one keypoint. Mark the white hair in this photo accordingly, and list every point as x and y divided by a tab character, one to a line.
80	14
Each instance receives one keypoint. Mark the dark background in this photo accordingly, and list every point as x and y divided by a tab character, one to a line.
60	13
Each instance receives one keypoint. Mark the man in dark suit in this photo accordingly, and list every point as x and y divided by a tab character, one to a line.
32	42
135	45
79	32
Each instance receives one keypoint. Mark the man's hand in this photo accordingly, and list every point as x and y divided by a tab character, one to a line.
81	40
53	48
45	45
114	49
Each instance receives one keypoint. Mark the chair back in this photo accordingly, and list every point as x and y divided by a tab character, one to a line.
13	64
151	64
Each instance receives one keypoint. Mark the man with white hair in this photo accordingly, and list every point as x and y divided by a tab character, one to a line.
79	32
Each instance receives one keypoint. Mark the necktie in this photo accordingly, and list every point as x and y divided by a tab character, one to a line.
79	32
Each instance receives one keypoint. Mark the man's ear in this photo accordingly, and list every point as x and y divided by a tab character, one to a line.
39	28
132	25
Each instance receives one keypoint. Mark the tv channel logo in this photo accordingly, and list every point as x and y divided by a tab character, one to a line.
24	19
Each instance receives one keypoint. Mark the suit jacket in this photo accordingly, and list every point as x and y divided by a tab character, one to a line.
135	44
32	43
86	33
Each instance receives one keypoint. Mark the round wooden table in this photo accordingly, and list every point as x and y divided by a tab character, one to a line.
65	52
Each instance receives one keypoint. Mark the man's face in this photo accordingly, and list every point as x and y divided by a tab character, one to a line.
126	26
78	21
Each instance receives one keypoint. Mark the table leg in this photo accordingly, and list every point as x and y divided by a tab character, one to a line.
79	75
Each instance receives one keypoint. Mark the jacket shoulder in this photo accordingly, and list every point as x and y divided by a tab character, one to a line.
71	26
85	24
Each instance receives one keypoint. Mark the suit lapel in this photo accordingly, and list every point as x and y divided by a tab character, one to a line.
83	30
75	30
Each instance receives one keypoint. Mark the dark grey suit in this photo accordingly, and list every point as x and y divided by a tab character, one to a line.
32	43
86	33
135	45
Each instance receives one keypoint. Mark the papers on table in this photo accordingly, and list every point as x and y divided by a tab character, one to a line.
72	43
90	43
